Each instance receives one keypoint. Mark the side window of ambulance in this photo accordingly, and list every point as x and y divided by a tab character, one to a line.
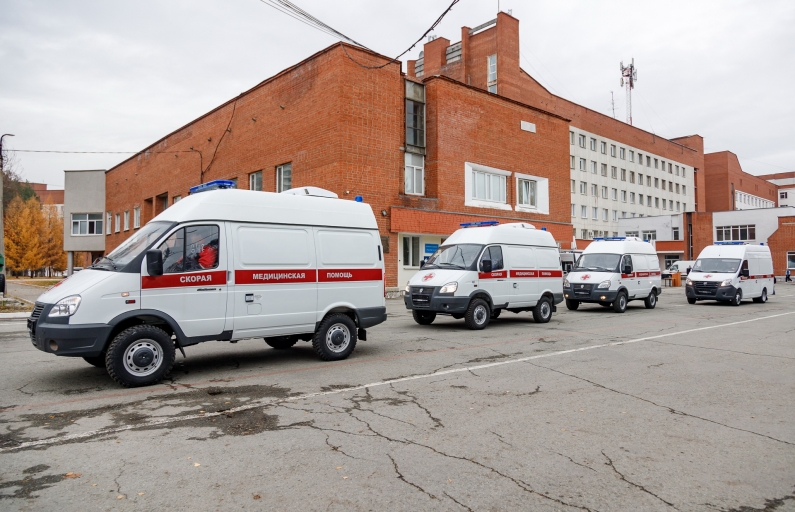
191	248
547	258
520	257
654	263
626	262
639	263
494	253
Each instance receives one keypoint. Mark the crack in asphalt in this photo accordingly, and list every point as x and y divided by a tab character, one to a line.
403	478
769	506
458	502
638	486
575	462
722	350
670	409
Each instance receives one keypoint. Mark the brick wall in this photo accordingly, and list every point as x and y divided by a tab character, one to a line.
781	242
703	234
725	175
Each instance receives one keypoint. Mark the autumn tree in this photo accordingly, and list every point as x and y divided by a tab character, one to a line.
52	239
24	231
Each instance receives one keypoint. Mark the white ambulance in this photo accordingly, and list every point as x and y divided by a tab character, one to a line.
222	265
485	268
612	272
731	272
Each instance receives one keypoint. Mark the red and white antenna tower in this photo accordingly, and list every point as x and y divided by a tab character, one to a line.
629	75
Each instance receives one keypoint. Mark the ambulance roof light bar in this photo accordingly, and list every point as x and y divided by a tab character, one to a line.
479	224
611	238
730	243
212	185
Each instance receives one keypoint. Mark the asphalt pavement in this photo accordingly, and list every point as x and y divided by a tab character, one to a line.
677	408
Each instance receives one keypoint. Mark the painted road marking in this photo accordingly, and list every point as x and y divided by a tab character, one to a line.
306	396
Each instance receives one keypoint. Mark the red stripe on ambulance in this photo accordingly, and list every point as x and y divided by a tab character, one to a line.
500	274
275	276
183	280
326	275
530	274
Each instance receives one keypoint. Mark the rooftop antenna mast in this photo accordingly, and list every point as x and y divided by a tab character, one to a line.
613	104
629	75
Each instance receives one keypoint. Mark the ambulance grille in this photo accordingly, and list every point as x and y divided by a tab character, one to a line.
37	309
421	296
706	287
581	290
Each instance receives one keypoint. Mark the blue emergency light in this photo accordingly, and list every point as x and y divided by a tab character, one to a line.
212	185
729	243
611	239
358	199
479	224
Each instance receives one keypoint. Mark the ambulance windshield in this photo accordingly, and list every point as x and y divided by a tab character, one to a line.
597	262
133	246
461	256
716	265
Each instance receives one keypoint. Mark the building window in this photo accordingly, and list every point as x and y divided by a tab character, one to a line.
584	234
791	260
415	114
781	195
683	172
176	199
613	172
648	161
108	222
624	196
284	177
632	176
86	224
136	217
623	175
593	167
655	164
630	233
595	213
572	161
615	215
670	186
573	186
684	207
640	179
615	194
573	210
604	192
663	184
632	197
677	188
526	193
656	202
612	150
255	181
650	235
675	233
631	156
117	222
584	212
488	187
414	174
671	204
735	233
670	167
582	140
603	147
656	182
677	206
594	190
604	169
583	187
492	67
605	214
622	153
411	251
571	138
684	192
126	220
593	144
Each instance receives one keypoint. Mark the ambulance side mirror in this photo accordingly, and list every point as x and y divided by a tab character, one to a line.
627	269
745	272
422	263
154	262
485	266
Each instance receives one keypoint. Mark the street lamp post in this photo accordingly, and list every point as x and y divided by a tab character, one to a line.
2	216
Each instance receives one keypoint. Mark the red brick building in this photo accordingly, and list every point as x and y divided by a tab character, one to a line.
730	188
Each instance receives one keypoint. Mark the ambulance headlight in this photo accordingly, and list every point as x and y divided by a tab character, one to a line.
408	289
566	283
449	288
66	306
604	284
727	282
689	282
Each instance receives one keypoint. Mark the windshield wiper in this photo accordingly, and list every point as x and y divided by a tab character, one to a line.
453	265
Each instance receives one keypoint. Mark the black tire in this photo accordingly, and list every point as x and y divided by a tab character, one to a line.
737	299
3	284
495	313
423	317
572	304
651	301
620	304
691	300
477	315
140	356
98	361
542	313
282	342
336	338
762	298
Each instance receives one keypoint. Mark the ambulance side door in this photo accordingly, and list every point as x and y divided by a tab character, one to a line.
523	274
494	282
193	288
641	267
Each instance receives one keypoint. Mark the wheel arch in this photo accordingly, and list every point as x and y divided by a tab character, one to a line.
147	317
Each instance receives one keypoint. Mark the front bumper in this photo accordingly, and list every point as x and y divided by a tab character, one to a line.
430	300
594	295
57	336
721	293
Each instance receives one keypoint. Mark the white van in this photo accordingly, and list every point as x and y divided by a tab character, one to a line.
731	272
485	268
679	266
222	265
614	271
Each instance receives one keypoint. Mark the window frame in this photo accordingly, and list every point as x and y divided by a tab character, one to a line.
280	176
414	170
136	217
255	180
470	169
88	222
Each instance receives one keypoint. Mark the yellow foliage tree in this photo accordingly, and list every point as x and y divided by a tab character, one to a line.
24	230
52	240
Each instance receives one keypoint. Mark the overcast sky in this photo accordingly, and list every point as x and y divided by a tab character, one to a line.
116	76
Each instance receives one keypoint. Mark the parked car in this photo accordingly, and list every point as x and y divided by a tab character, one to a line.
731	272
222	265
680	266
486	268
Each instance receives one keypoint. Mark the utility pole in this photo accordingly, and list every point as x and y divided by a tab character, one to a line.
629	75
2	216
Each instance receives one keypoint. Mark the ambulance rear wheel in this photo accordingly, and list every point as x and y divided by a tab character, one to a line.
423	317
477	315
572	304
282	342
762	298
620	304
336	338
140	356
691	300
542	313
651	301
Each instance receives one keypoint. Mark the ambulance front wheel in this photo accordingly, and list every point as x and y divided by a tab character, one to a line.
691	300
423	317
572	304
140	356
477	315
336	338
620	304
